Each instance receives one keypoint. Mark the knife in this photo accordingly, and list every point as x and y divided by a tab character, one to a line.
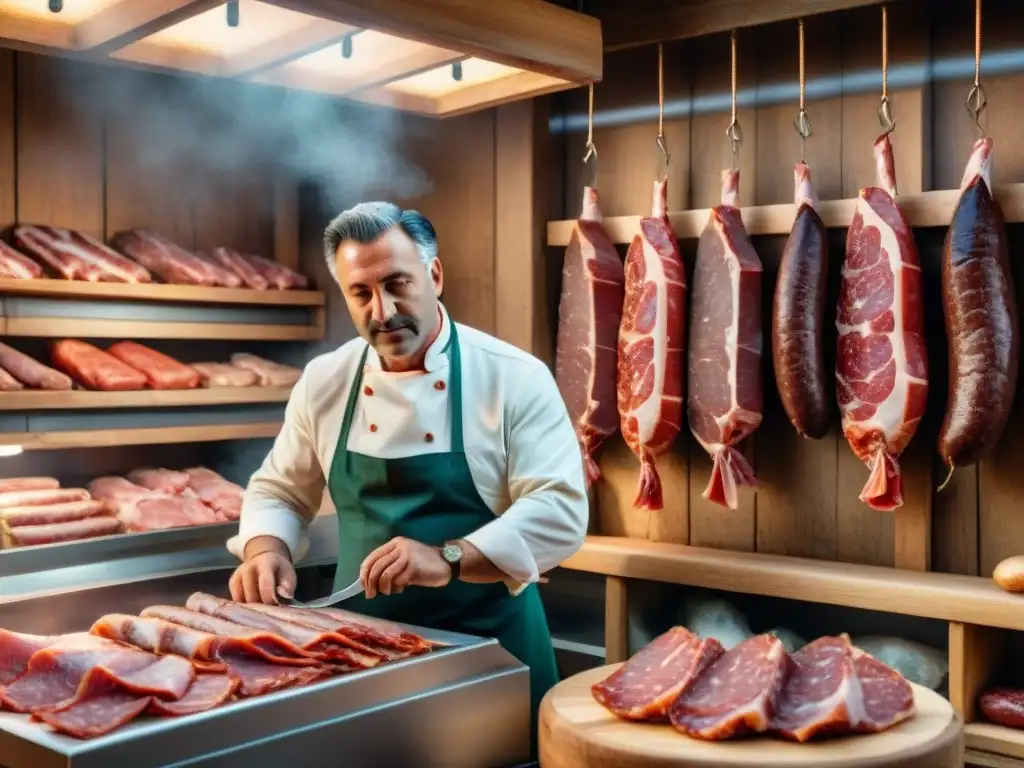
351	590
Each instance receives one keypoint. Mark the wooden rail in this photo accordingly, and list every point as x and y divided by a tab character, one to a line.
927	209
105	438
79	289
80	399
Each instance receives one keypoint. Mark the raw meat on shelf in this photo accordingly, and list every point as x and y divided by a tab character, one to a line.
76	256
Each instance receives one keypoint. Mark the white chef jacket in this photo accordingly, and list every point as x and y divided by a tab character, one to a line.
519	442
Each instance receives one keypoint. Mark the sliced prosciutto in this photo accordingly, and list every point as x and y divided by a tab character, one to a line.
589	312
651	346
881	359
15	651
725	398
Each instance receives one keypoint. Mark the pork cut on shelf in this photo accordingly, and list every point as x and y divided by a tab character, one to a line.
881	358
76	256
16	265
724	372
652	340
161	371
225	375
170	262
32	373
268	373
589	311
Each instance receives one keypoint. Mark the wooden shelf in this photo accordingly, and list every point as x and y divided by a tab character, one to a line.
393	46
78	289
948	597
148	398
103	438
65	327
997	739
928	209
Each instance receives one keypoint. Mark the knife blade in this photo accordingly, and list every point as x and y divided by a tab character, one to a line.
351	590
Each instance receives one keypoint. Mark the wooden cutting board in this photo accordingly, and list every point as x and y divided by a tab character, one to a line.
576	732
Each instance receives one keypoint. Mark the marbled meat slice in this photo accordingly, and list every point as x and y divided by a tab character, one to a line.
208	691
888	697
736	695
363	637
381	629
645	686
331	645
81	666
822	695
106	708
258	644
258	677
15	651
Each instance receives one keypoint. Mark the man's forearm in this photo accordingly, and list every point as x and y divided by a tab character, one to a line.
260	544
475	568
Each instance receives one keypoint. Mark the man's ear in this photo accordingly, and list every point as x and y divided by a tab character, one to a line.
437	276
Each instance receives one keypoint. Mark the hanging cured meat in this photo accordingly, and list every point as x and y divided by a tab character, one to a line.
588	326
881	360
725	398
651	344
981	319
798	315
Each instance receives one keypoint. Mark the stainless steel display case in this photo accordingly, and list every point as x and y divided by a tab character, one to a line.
462	706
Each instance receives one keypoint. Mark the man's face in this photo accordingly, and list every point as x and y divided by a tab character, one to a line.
390	293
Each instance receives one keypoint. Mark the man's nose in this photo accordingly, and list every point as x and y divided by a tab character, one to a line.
383	308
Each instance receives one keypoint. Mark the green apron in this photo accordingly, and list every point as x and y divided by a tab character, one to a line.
431	498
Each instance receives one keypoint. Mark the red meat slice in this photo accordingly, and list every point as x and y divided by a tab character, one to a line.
736	695
645	686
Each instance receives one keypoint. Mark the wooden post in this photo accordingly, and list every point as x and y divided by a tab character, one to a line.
616	620
974	654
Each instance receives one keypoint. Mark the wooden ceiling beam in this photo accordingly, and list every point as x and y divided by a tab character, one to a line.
529	34
129	21
629	25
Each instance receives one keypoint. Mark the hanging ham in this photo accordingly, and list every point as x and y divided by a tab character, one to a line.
725	398
881	360
798	315
981	319
588	326
651	346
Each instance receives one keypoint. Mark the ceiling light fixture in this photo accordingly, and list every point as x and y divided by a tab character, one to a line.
56	6
232	13
457	71
346	47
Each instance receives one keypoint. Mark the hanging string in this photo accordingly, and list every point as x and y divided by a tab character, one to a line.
885	117
801	122
976	100
666	156
733	132
591	156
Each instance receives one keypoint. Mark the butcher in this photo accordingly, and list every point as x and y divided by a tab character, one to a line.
448	455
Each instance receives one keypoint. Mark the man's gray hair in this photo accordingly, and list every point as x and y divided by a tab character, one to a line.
365	222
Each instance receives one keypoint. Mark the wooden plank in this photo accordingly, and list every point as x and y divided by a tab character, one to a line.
616	620
47	327
627	25
80	399
974	655
128	21
924	209
104	438
790	468
8	201
710	524
943	596
996	739
520	202
530	34
78	289
59	146
523	85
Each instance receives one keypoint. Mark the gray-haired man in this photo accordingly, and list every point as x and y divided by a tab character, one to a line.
448	454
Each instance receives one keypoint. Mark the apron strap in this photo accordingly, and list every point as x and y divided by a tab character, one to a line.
451	349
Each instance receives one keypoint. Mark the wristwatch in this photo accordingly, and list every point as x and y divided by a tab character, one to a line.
452	555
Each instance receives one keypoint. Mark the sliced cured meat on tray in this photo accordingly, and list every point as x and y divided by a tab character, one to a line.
173	661
827	688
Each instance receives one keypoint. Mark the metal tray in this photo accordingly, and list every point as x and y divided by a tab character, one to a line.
462	706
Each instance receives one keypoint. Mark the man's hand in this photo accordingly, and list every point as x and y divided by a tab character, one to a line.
266	573
403	563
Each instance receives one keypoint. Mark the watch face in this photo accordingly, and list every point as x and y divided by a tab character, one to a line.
451	553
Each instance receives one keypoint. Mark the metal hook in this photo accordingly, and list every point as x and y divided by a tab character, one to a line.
665	154
976	103
802	123
735	136
590	160
885	118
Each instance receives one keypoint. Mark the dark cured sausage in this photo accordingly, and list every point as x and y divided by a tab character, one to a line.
798	315
981	319
1004	706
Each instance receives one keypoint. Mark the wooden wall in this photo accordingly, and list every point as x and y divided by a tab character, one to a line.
807	502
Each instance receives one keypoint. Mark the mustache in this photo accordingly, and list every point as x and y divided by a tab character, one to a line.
395	323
